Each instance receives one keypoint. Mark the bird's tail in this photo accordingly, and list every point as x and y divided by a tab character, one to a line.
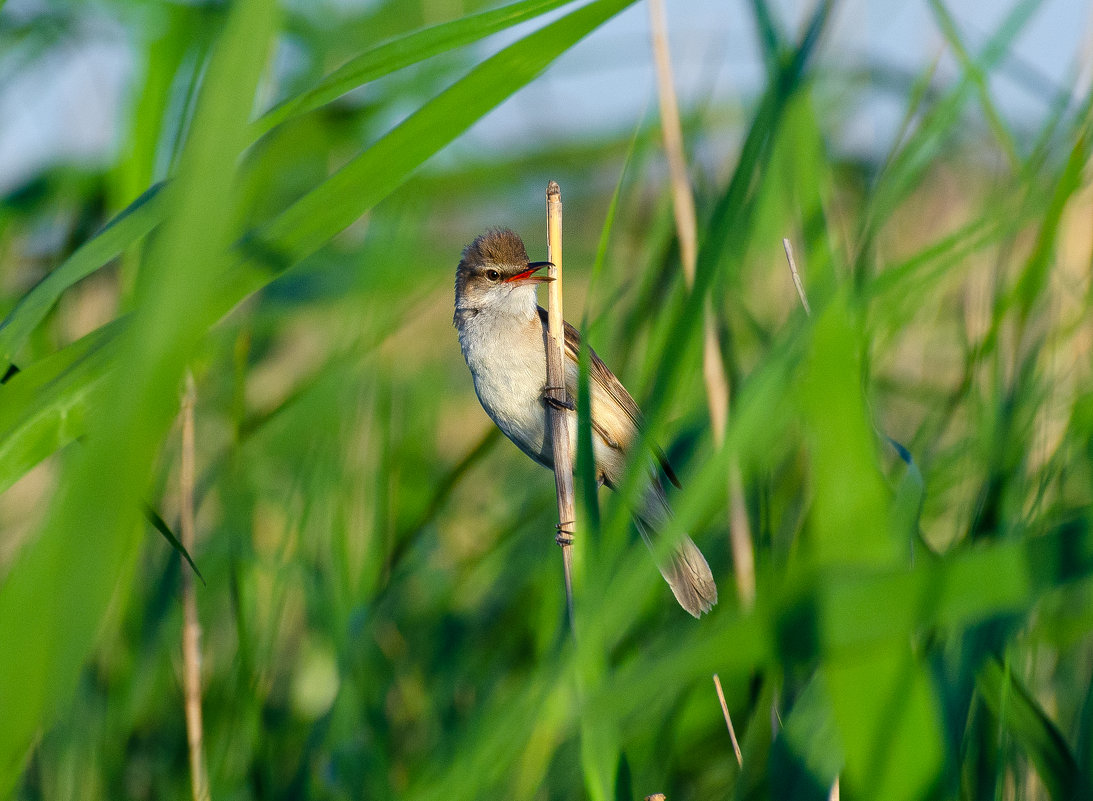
684	568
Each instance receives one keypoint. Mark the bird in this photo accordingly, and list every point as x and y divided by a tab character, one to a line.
502	334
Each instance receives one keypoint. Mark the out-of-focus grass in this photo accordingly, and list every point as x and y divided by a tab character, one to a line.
383	606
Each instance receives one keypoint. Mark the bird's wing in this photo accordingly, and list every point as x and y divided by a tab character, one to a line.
602	378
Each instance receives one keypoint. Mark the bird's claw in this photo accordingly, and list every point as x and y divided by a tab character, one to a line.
561	404
564	536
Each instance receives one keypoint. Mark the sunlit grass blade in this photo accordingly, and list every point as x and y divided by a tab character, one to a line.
906	168
978	78
390	56
322	213
724	236
360	184
140	217
87	550
1030	285
45	407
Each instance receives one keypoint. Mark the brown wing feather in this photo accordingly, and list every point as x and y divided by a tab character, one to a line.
601	375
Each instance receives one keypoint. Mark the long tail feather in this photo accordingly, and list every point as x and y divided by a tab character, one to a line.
684	568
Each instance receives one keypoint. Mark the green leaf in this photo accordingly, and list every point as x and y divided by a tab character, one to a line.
849	519
806	758
147	211
402	52
1034	731
140	217
1030	285
335	203
889	722
57	593
979	80
160	525
44	407
355	188
903	171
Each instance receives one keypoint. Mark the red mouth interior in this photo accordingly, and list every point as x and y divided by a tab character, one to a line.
524	274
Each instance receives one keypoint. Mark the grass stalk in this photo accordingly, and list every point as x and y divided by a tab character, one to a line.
713	367
559	425
191	626
728	720
796	276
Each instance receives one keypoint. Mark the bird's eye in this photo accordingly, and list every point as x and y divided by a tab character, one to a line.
492	275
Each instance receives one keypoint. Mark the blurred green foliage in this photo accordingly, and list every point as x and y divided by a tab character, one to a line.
383	609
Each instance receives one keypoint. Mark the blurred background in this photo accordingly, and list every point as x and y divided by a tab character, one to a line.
380	596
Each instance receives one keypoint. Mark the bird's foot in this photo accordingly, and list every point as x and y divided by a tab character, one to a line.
561	404
564	536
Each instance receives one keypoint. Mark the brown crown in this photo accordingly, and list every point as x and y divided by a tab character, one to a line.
499	247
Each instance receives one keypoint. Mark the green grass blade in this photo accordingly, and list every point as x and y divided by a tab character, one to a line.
140	217
45	407
333	205
725	235
905	169
1030	285
850	493
402	52
364	181
1034	731
147	210
806	756
585	464
86	552
979	79
159	524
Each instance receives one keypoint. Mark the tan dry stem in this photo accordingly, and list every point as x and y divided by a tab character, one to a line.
191	626
728	720
713	368
559	426
796	276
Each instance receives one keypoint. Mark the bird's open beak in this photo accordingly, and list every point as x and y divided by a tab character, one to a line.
528	275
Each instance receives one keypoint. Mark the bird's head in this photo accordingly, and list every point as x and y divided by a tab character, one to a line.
495	275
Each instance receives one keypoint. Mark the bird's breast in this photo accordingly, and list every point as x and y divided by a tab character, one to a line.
508	364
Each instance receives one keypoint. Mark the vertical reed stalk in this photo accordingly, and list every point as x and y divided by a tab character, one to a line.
191	626
559	425
713	369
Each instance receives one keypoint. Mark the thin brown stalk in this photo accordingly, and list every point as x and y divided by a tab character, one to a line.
713	368
834	794
796	276
191	626
559	425
728	720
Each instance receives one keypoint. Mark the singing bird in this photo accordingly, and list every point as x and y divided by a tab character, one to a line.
502	332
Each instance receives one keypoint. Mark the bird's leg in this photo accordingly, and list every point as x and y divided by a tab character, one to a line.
564	536
565	404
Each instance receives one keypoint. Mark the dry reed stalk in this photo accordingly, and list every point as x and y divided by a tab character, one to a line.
559	425
191	626
796	276
713	368
728	720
